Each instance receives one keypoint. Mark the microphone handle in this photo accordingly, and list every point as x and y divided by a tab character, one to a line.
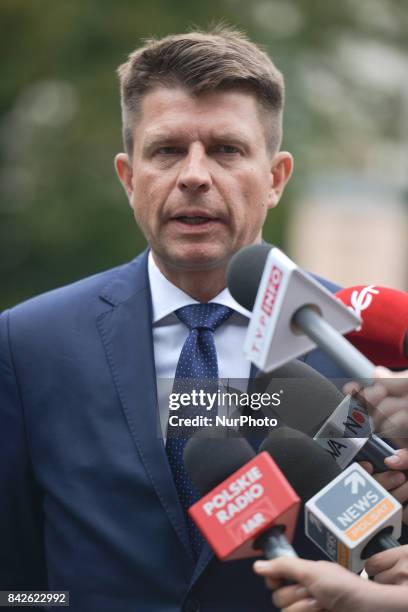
274	544
333	343
375	450
381	541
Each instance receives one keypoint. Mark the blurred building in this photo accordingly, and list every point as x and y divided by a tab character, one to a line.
352	232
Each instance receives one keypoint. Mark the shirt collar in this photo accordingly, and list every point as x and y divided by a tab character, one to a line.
166	297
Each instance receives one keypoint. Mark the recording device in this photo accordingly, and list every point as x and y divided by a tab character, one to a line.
313	405
383	335
348	515
307	397
247	505
292	312
346	436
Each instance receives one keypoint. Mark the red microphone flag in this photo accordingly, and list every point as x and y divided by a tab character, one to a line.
383	336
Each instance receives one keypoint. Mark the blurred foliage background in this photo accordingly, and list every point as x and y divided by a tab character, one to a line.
62	211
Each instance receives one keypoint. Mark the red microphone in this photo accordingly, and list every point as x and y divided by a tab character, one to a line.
252	510
383	336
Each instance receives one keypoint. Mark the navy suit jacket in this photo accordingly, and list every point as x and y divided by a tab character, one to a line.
87	500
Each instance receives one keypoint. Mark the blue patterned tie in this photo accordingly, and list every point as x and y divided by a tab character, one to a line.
198	360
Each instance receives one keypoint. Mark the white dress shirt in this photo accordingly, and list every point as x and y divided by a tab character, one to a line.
169	335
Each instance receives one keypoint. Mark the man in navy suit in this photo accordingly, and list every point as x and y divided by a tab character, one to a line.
88	502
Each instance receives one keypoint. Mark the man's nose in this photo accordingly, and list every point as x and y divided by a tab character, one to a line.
194	174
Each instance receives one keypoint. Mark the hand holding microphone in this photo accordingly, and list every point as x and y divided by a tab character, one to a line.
286	301
389	566
340	425
314	405
347	515
388	402
321	585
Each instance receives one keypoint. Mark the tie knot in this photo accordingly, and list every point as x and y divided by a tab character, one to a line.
203	316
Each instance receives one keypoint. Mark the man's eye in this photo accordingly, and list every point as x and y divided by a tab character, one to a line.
227	149
168	151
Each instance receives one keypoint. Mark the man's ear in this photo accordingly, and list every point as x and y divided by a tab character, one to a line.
124	171
281	171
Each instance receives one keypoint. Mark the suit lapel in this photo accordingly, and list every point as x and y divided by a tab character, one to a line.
126	333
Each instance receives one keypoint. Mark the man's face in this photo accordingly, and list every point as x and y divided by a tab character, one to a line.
201	178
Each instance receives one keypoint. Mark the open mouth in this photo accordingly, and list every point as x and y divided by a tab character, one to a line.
194	220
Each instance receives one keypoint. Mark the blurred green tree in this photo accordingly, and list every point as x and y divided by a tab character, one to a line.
62	212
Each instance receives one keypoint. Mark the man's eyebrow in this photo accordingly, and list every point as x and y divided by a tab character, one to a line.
227	137
154	139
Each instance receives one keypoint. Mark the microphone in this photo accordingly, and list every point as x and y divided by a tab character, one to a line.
313	405
292	312
247	505
347	436
383	335
349	516
307	397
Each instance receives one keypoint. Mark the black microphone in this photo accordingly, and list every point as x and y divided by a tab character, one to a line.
307	397
318	481
245	273
313	405
211	455
304	463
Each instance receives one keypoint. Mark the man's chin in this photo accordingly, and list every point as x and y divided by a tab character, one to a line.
198	259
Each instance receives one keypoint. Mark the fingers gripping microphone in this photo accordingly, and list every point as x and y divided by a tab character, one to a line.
247	504
292	312
313	405
383	335
349	516
347	436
